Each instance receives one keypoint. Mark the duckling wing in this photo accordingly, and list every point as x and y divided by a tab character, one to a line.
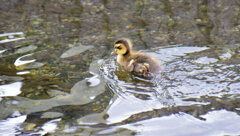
153	63
130	66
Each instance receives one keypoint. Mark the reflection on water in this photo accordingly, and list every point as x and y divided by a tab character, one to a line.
12	89
9	126
57	77
171	87
10	37
189	76
215	123
49	127
19	62
195	90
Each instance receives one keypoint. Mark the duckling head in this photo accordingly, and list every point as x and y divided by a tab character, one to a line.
122	47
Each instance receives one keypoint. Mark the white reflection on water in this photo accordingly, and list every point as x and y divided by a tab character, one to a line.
217	123
12	89
11	34
9	126
50	126
11	37
23	72
206	60
123	108
11	40
20	62
171	53
1	51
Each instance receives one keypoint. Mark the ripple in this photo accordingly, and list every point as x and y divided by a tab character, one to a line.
183	78
10	125
175	124
10	37
20	62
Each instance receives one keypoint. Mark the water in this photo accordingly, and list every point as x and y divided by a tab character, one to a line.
188	85
57	76
195	91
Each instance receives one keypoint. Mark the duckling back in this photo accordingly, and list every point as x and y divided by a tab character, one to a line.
154	64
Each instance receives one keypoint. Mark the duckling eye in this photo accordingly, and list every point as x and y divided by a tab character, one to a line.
118	47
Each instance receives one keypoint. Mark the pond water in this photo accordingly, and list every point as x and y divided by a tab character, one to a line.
57	76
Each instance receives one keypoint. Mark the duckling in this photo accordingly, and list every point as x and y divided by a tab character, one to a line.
136	62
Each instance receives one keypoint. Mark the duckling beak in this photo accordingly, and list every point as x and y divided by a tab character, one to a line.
114	53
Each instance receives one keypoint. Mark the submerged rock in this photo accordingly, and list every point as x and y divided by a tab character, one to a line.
75	51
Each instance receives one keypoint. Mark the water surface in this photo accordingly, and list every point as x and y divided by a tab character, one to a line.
57	76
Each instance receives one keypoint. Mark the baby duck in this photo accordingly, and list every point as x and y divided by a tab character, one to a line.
139	62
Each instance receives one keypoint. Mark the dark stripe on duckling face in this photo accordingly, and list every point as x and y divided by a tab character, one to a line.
120	49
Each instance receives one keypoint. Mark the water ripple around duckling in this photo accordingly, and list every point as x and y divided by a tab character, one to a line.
190	73
126	84
154	90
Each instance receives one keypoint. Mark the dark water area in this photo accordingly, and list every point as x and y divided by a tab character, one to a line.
57	76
